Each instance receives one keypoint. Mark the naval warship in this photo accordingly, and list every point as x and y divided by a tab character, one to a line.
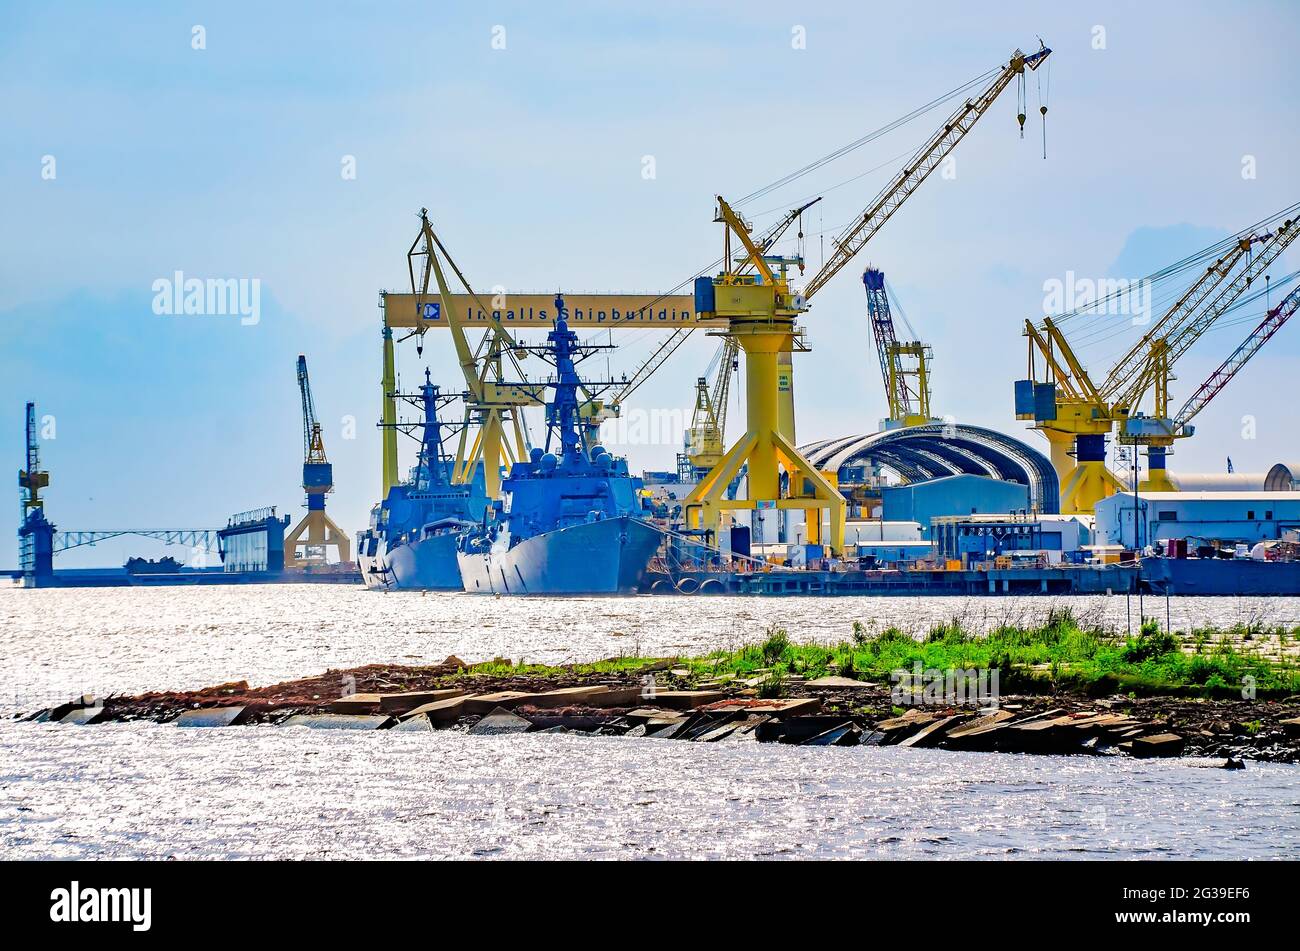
571	519
411	541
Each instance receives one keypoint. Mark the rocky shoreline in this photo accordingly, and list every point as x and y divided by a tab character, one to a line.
666	700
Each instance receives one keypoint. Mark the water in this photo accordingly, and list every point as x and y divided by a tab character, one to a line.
141	790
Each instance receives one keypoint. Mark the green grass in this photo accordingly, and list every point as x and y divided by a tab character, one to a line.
506	668
1060	654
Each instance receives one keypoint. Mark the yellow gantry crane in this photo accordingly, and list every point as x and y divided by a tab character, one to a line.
493	408
1076	415
759	309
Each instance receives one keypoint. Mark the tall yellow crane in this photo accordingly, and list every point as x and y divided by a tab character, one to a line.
759	309
1076	415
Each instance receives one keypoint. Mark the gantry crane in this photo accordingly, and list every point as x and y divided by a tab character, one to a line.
904	367
316	533
1076	415
759	310
493	408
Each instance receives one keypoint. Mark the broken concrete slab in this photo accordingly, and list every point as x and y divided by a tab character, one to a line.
796	729
414	724
572	722
440	711
684	699
84	716
1162	744
846	734
340	721
213	716
616	697
500	722
355	703
646	714
840	683
486	703
794	707
914	717
979	724
564	697
671	729
716	733
746	729
931	733
901	727
399	703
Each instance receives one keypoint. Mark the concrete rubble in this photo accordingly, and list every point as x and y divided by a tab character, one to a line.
828	711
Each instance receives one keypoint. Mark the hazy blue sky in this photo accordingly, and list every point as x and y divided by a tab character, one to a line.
227	162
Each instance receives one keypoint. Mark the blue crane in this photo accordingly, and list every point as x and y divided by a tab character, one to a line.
316	533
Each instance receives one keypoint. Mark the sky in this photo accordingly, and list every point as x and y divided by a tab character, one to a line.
578	146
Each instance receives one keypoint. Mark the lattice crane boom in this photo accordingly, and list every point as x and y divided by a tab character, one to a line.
313	445
918	168
1195	312
1223	375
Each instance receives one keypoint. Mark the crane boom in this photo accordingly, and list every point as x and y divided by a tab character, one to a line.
313	445
1181	339
1221	377
909	402
1183	309
919	167
882	330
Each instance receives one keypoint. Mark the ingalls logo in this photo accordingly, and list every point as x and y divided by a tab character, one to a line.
214	297
76	904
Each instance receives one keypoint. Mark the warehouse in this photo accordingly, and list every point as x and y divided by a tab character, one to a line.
976	538
951	495
1223	517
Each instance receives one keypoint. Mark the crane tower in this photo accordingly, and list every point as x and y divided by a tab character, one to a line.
316	533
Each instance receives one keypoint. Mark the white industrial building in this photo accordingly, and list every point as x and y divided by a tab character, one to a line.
1224	517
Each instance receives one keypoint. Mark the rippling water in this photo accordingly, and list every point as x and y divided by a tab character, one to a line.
56	643
141	790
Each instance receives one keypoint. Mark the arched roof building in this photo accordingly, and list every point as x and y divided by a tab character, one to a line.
934	450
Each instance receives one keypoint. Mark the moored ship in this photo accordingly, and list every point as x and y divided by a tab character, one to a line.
572	519
411	541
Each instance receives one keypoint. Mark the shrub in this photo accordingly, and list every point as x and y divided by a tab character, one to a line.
776	645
